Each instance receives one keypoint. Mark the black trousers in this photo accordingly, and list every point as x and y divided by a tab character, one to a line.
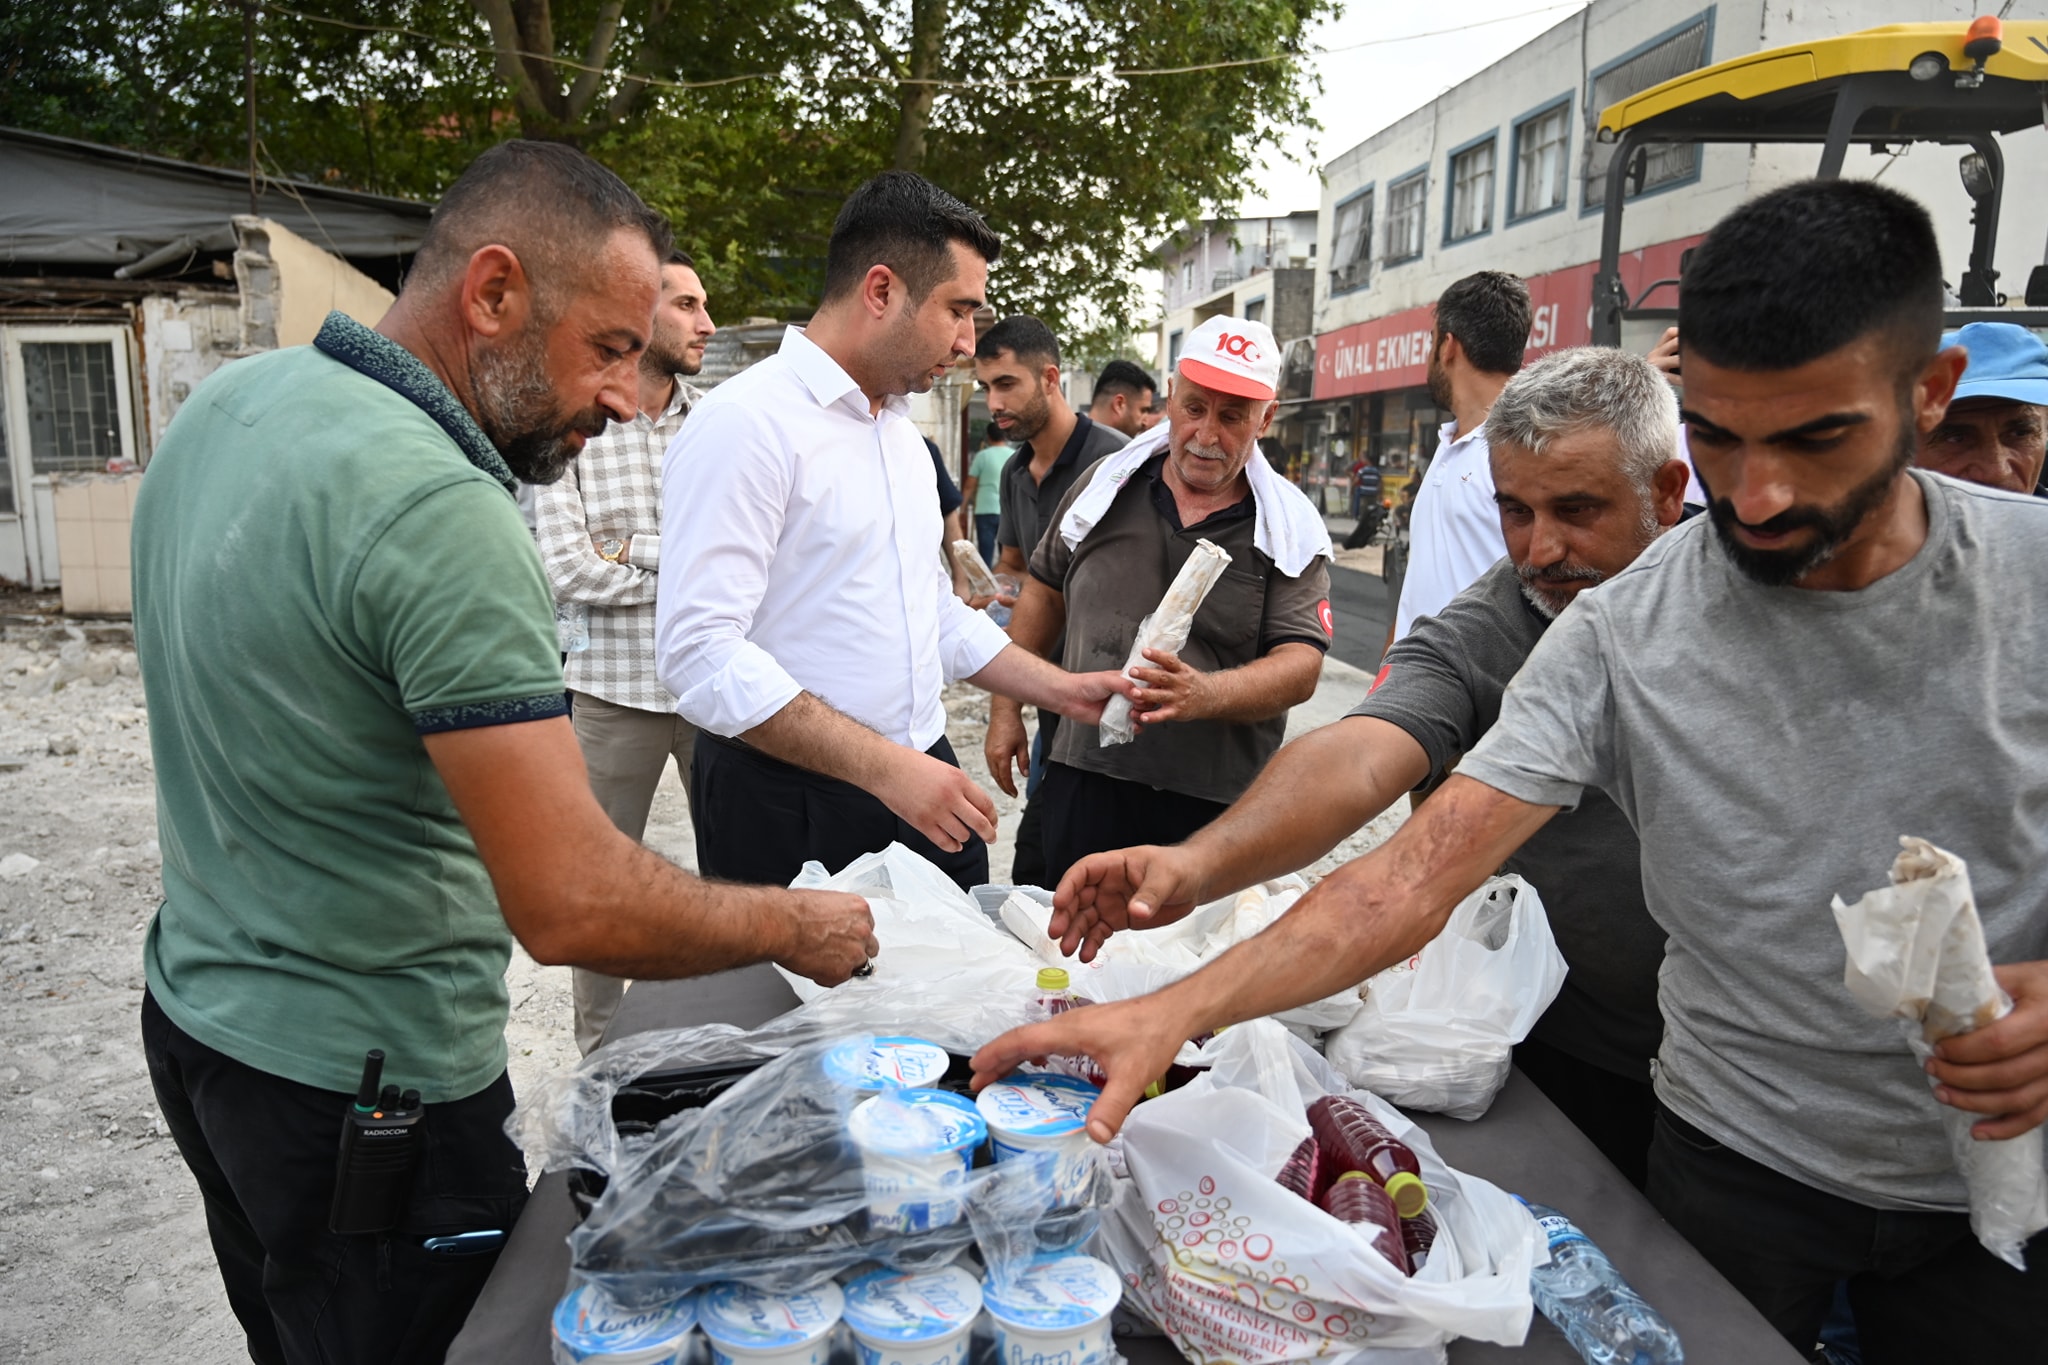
1089	813
263	1151
760	820
1027	864
1922	1289
1617	1113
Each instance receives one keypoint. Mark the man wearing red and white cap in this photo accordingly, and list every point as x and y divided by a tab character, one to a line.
1209	717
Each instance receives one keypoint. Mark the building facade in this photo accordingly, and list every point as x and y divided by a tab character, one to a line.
1502	172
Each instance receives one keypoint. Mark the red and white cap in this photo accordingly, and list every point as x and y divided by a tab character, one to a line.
1233	356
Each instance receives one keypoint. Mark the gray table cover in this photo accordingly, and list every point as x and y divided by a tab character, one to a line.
1523	1145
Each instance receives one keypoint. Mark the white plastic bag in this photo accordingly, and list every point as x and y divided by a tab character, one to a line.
1916	953
1167	628
1436	1031
1177	949
932	933
1236	1268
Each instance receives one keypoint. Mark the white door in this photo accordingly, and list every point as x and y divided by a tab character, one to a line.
69	409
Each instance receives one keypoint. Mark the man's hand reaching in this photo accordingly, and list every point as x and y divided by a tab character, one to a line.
1129	888
1132	1041
937	799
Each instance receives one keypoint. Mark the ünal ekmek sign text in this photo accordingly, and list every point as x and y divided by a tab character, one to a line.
1393	352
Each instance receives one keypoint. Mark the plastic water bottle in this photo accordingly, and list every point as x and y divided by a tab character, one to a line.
1580	1290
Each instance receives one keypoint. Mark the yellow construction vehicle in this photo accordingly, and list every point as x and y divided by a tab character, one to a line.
1955	84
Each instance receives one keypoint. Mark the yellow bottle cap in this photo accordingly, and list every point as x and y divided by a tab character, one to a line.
1409	1194
1052	978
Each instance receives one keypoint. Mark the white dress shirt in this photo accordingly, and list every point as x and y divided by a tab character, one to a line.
1454	533
800	553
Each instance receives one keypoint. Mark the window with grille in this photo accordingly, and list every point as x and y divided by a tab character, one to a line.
1351	249
1666	162
1471	192
1255	311
1187	274
1541	145
74	406
1404	218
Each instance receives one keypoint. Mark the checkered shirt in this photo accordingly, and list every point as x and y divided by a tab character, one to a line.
613	491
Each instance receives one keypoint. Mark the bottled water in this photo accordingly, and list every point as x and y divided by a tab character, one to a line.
1580	1290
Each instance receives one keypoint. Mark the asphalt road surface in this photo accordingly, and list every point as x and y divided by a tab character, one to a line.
1363	610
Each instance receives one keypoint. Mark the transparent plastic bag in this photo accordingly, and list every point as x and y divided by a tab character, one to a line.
1437	1032
1233	1266
767	1185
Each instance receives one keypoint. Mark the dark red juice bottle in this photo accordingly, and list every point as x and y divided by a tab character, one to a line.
1353	1140
1355	1198
1304	1172
1418	1235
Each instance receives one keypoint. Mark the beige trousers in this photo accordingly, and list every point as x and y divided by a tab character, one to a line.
625	750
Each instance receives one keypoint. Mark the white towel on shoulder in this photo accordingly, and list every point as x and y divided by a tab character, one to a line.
1288	528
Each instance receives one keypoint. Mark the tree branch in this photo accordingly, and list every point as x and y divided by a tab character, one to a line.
602	35
507	43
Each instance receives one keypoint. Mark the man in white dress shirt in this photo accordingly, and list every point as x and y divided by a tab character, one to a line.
805	623
1482	328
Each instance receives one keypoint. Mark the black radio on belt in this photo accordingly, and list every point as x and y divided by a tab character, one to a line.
379	1145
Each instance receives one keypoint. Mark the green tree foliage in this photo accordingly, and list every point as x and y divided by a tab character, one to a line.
746	123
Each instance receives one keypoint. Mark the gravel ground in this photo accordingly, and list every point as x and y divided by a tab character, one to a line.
103	1248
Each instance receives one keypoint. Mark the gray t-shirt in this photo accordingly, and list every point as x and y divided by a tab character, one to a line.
1770	745
1442	683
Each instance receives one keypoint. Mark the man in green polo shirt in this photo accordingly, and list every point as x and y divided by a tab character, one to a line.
367	783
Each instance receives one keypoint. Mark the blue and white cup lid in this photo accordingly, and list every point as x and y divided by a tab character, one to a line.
1055	1293
916	1123
589	1323
890	1305
741	1315
1037	1106
887	1063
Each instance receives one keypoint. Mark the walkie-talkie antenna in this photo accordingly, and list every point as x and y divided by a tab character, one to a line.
373	1072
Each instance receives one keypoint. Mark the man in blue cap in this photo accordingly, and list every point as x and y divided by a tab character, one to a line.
1996	430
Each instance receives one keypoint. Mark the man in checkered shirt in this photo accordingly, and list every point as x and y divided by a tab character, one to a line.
599	530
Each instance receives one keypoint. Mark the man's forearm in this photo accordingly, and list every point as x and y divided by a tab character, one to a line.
812	735
1022	676
1266	687
650	920
1367	915
1316	792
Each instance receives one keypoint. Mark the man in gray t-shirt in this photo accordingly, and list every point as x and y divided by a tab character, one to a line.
1846	650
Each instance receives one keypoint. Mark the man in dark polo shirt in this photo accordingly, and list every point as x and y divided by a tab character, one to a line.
1017	363
1209	718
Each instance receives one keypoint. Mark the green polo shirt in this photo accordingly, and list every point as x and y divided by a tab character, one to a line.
329	565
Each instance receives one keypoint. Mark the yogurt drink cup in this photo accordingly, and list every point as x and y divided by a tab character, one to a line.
589	1329
1030	1114
1055	1312
905	1319
915	1150
747	1326
887	1063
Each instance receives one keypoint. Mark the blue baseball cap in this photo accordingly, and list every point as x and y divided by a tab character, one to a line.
2006	361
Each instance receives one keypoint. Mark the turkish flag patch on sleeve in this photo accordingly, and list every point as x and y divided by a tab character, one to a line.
1328	618
1384	670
